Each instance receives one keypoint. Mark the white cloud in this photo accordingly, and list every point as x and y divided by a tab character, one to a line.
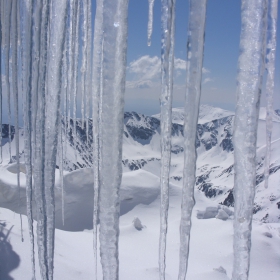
205	71
145	72
207	80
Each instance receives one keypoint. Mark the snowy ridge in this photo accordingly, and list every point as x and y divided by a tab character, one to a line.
139	221
206	113
141	151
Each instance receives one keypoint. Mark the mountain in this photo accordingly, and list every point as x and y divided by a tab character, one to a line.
215	162
212	217
206	113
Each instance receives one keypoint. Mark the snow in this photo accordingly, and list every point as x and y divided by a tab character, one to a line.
206	113
211	244
210	248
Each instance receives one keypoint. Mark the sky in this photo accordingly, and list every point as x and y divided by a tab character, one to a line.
223	24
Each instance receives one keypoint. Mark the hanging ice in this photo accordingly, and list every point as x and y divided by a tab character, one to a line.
88	77
26	50
76	29
6	29
1	24
96	111
270	65
47	126
167	64
83	69
150	20
112	84
195	46
249	81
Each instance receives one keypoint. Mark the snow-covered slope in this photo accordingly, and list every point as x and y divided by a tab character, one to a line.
206	113
141	150
211	241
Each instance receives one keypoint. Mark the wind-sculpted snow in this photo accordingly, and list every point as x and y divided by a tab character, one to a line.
138	187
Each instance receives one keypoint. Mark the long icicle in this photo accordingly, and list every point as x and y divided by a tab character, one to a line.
75	73
26	37
96	110
83	69
1	53
270	65
88	72
61	167
113	86
70	67
167	64
249	83
8	9
62	127
14	67
195	47
54	87
41	13
150	21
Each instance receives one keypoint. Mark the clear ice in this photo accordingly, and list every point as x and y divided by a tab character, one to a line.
249	82
195	47
167	65
270	66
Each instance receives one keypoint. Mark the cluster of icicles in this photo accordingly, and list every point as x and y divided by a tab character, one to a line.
49	52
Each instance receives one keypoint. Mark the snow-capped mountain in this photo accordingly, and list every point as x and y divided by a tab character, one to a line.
215	163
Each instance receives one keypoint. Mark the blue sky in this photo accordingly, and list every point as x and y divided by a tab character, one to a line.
220	57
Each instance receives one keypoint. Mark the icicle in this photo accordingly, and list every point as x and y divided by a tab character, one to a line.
111	129
271	52
75	73
26	50
61	154
64	117
54	83
7	28
1	23
195	46
96	111
249	81
63	129
167	64
70	67
14	88
41	10
150	21
88	70
84	16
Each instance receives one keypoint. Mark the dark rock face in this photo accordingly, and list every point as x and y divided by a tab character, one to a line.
141	128
228	171
137	164
229	201
176	149
5	131
209	190
260	177
256	208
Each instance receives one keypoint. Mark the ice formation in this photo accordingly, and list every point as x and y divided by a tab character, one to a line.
150	21
114	26
42	39
270	66
195	47
249	81
167	65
